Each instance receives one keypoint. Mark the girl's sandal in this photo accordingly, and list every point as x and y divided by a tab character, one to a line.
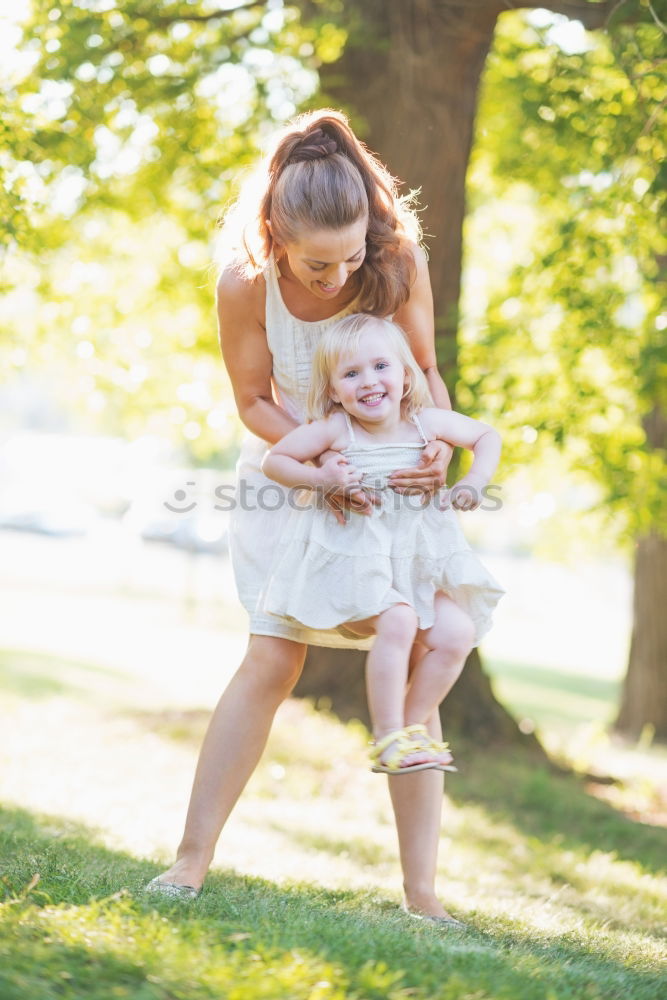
404	747
424	741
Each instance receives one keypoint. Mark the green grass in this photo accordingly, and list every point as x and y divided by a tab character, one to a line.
554	699
564	895
85	930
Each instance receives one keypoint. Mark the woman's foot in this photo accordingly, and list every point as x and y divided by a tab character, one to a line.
170	889
185	873
427	906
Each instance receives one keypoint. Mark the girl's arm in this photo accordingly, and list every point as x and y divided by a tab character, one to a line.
247	356
286	461
485	444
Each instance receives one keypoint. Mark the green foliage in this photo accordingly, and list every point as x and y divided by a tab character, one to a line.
128	126
575	336
156	107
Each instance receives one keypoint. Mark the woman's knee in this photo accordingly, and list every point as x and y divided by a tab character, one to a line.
275	662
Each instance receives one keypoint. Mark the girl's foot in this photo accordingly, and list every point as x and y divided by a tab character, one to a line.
397	753
438	751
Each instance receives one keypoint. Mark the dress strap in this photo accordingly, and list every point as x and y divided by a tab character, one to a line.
419	427
349	426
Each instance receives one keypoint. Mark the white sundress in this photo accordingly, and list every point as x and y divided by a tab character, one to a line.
324	574
261	510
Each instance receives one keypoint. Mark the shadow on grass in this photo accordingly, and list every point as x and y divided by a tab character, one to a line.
39	675
581	685
553	808
75	935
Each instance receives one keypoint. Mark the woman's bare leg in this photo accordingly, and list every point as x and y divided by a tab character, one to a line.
417	798
232	747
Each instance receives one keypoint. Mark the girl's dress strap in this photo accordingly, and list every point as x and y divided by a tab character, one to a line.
349	426
419	427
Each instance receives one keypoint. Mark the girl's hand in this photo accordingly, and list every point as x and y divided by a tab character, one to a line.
337	474
343	500
465	495
429	475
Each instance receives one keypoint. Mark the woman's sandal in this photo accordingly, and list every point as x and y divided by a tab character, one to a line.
445	921
171	889
426	742
404	747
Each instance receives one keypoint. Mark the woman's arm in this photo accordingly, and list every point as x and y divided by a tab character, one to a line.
247	356
416	317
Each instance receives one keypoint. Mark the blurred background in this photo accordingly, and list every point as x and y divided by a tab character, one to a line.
537	143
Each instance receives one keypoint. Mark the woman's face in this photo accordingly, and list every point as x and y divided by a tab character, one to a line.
323	259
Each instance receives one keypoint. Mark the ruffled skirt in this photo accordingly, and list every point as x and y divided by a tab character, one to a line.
324	574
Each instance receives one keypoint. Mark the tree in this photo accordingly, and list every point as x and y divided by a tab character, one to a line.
418	67
585	129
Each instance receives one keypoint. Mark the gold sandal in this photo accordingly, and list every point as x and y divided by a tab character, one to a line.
426	742
404	747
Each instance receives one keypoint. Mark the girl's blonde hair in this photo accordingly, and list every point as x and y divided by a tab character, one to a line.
341	339
320	176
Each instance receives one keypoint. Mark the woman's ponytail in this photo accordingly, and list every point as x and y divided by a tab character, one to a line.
320	176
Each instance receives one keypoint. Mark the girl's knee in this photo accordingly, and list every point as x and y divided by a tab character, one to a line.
453	635
398	624
463	635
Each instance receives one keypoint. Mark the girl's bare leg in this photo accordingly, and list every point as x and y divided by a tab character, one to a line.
232	747
447	642
387	674
417	798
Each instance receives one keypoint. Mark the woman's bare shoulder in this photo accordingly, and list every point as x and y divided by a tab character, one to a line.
240	293
419	256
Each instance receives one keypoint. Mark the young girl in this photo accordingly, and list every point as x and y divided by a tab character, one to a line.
391	574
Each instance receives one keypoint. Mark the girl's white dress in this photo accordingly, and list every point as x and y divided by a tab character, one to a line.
324	574
341	573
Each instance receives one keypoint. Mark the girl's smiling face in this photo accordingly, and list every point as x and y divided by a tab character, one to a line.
323	259
370	382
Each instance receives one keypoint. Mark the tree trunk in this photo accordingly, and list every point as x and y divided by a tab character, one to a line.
417	66
335	680
644	699
410	77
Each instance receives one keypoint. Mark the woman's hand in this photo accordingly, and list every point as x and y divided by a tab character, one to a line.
429	475
346	497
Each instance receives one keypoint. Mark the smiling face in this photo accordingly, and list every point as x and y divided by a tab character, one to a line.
323	259
370	381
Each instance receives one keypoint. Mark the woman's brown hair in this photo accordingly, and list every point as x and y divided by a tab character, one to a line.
320	176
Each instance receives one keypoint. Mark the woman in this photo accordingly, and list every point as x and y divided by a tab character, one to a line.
326	235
